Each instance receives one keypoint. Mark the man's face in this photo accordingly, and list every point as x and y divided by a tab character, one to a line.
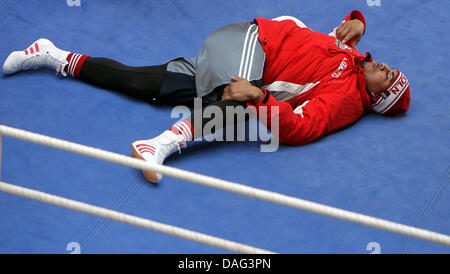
378	78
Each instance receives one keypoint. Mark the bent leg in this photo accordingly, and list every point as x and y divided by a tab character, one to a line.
156	150
216	116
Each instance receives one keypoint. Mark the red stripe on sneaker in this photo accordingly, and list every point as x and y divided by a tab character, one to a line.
31	50
36	46
145	145
146	148
142	145
147	151
26	52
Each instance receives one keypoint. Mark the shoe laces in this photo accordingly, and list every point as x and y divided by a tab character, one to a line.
168	145
39	59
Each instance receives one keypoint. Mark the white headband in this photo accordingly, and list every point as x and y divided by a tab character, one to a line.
388	99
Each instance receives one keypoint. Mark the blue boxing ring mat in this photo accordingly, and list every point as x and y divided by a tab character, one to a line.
395	169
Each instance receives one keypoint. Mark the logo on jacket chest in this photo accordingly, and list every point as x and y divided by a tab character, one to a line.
340	69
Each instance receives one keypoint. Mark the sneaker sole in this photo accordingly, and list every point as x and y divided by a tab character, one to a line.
149	175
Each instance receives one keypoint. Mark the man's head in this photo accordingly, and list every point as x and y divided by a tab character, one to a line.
388	88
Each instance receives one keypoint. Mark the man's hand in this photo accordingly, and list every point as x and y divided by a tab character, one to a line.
350	31
242	90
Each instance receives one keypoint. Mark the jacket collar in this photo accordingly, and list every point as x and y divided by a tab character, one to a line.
361	82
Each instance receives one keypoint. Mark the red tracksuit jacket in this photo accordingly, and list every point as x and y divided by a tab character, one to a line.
313	79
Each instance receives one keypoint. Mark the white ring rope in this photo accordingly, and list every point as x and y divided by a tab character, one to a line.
129	219
229	186
0	156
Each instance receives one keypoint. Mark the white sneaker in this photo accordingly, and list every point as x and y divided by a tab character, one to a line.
42	53
156	150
